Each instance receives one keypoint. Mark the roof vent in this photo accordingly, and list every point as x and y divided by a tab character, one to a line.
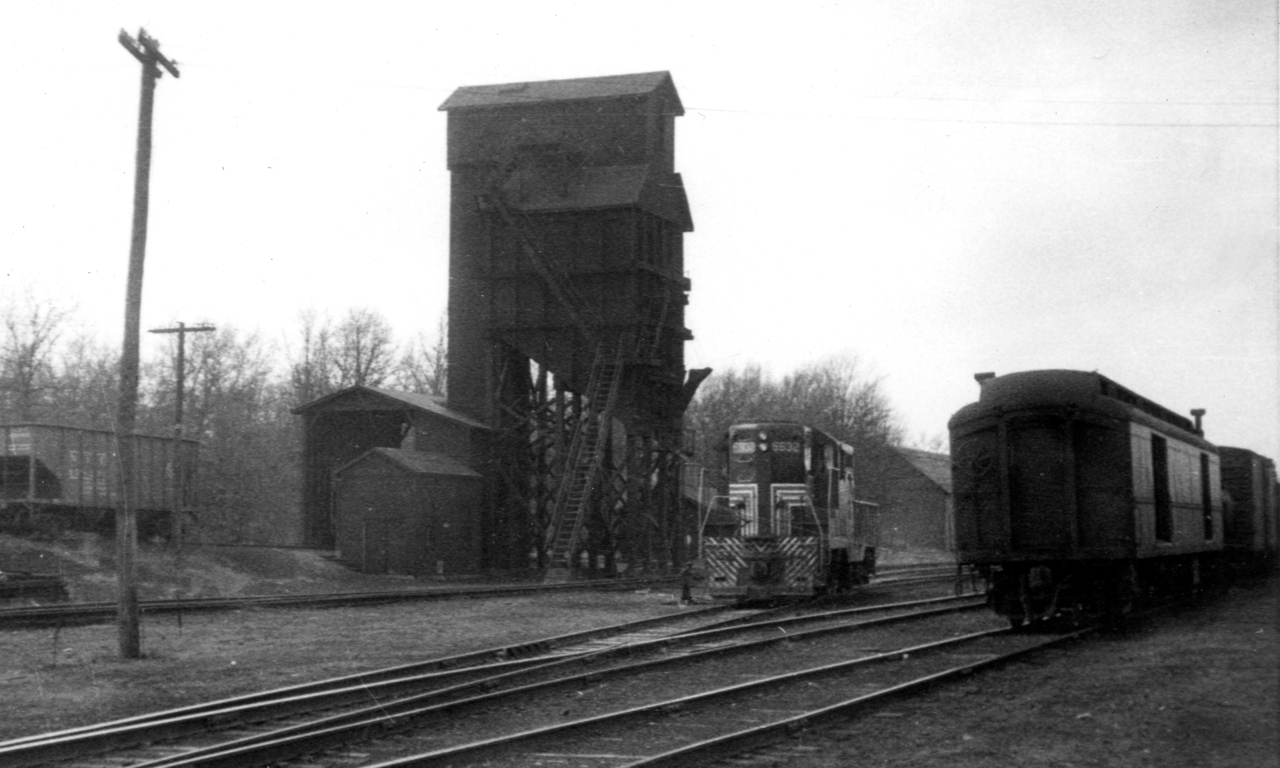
981	378
1198	413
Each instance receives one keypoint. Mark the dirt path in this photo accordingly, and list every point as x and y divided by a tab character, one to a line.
1194	689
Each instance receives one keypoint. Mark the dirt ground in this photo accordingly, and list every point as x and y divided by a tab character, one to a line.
1197	687
52	679
86	563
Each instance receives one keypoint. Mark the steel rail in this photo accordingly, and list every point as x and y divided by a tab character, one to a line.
699	753
671	705
895	581
883	569
345	728
77	614
37	748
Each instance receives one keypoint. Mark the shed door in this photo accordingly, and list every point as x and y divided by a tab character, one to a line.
382	537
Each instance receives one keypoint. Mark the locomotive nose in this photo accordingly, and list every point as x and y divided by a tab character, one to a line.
762	566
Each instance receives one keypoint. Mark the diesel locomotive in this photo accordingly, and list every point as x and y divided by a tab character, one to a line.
1075	495
789	525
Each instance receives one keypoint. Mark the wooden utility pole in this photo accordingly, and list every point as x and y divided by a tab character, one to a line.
179	462
147	51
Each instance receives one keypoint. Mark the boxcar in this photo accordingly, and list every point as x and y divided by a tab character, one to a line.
1073	494
66	477
789	525
1249	485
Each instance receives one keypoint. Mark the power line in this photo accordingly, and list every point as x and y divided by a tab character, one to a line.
1054	123
1122	102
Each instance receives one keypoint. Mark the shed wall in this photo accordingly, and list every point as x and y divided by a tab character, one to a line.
331	439
391	520
915	515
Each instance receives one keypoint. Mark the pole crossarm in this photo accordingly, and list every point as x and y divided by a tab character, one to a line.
180	470
146	49
184	329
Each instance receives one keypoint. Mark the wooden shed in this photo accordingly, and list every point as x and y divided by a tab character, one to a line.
402	511
340	427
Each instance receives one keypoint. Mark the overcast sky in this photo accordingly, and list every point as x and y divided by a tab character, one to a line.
939	188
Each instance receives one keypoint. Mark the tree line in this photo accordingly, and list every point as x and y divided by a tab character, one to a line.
240	389
838	395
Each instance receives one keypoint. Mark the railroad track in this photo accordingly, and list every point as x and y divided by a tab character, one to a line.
724	722
904	672
269	728
90	741
963	579
921	574
80	614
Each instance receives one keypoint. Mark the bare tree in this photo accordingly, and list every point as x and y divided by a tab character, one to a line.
835	395
32	329
424	366
726	397
363	351
249	455
311	373
838	397
88	374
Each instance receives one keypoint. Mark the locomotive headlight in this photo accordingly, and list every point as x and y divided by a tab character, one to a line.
763	447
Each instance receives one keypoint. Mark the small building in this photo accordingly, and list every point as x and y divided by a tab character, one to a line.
343	426
402	511
916	511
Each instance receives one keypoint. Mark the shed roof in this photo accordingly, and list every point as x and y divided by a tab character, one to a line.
391	399
935	466
576	89
416	462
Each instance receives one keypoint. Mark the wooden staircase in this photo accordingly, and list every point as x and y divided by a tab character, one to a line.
582	468
583	464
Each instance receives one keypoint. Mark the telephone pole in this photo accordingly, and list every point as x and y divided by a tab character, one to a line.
179	459
147	52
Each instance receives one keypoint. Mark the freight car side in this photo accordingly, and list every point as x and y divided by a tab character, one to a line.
1249	479
70	477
